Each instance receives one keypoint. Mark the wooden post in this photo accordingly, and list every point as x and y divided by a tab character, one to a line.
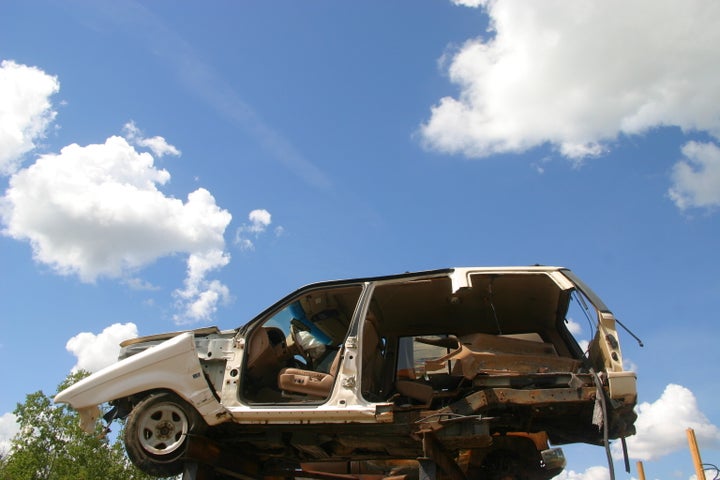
695	454
641	471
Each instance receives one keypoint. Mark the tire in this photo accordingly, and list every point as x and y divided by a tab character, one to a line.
156	433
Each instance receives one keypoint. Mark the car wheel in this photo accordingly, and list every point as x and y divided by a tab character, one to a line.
156	433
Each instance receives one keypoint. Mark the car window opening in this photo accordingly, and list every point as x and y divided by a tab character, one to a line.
294	355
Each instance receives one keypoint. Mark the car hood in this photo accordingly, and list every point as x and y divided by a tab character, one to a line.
136	345
165	336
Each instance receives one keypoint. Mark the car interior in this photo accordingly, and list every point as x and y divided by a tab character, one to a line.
420	341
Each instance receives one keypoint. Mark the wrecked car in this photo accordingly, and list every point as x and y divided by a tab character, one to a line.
454	373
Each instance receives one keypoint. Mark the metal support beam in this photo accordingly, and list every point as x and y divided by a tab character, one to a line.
434	451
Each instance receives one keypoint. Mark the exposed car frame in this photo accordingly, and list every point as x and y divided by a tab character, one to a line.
472	368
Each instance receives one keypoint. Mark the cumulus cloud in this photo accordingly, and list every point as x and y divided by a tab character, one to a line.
696	178
8	428
578	74
259	221
199	298
96	211
94	352
25	111
656	436
158	145
592	473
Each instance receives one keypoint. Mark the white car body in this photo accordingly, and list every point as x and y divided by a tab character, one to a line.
248	376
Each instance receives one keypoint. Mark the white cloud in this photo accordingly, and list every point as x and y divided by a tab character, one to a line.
94	352
140	284
592	473
577	74
574	327
158	145
711	473
97	211
244	243
470	3
696	179
25	110
204	303
8	428
260	220
576	330
630	366
200	297
661	425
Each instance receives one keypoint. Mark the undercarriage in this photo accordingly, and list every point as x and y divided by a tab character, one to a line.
491	433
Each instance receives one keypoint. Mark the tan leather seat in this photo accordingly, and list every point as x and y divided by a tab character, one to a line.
415	390
309	382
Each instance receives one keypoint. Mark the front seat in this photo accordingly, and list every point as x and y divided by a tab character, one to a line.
309	382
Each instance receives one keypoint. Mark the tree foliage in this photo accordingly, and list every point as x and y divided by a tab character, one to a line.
50	445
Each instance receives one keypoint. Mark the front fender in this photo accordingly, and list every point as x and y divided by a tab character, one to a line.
171	365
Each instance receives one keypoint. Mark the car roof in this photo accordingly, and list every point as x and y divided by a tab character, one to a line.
438	272
451	271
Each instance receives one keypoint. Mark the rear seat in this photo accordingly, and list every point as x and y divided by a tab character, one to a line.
481	353
484	355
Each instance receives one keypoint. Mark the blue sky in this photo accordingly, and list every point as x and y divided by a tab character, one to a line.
166	166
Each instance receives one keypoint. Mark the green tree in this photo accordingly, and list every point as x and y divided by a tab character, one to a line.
50	445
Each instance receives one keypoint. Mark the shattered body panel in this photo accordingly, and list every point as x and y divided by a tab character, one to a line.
473	368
